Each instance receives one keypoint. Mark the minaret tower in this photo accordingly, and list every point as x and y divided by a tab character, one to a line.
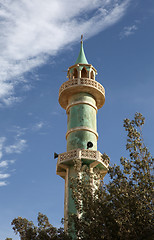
81	96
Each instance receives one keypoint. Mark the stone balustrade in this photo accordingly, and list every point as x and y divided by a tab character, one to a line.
82	81
81	85
82	154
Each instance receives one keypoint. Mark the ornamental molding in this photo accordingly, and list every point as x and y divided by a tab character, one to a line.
81	64
78	85
81	128
95	156
80	102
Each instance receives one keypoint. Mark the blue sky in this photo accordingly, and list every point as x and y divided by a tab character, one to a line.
39	40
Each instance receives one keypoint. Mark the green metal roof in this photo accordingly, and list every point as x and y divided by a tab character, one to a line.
81	58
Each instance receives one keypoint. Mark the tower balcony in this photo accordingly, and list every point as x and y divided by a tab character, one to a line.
90	157
78	85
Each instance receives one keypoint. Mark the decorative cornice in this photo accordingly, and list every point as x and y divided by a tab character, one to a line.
80	102
80	64
78	85
95	156
81	128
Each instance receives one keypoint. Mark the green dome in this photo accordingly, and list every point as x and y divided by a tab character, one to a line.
81	58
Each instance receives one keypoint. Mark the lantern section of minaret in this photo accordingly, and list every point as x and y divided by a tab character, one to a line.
81	96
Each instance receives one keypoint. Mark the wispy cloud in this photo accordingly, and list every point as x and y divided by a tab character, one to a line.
17	147
5	150
30	31
18	131
4	164
38	126
2	141
4	175
3	183
128	30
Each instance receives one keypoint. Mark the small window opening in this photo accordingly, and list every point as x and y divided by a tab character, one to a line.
75	73
84	73
92	75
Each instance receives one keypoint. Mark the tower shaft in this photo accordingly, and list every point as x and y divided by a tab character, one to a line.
81	124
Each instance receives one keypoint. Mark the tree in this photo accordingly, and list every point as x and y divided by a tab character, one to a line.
44	231
119	210
123	208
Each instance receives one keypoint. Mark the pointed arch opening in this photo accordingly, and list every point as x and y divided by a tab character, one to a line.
75	73
92	75
84	73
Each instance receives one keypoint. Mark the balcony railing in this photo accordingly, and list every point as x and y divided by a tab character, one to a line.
82	154
83	82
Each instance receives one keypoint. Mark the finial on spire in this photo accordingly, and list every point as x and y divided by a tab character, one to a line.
81	58
81	38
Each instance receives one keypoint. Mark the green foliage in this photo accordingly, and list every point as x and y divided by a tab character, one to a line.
121	209
44	231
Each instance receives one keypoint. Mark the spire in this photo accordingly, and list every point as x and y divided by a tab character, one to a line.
81	58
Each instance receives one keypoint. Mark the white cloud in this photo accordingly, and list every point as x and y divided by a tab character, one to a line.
4	175
17	147
3	164
30	31
38	126
129	30
11	99
3	183
2	141
18	131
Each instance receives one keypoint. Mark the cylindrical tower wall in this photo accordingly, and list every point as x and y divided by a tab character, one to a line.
81	122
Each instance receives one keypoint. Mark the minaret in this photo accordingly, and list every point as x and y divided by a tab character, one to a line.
81	96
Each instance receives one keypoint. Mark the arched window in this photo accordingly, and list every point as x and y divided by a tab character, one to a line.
92	75
75	73
84	73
